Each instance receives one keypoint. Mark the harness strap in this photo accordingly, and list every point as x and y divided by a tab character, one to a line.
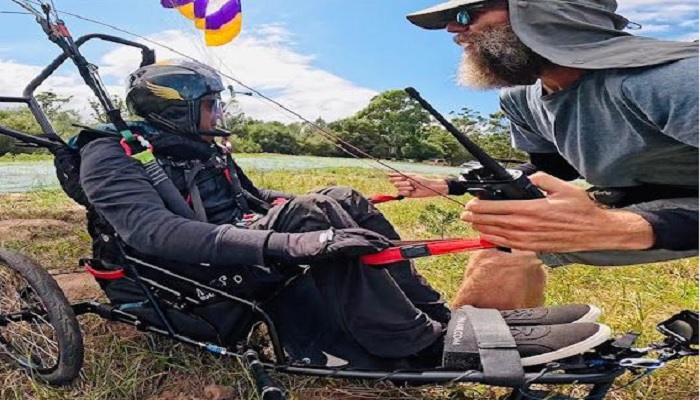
237	189
167	190
481	336
193	190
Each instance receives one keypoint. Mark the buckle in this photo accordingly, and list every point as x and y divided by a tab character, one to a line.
248	219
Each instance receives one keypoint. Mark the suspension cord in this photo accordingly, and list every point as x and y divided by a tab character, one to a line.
327	135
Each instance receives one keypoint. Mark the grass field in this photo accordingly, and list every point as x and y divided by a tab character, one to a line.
124	364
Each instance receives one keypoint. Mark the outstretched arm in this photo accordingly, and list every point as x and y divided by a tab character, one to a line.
568	220
416	186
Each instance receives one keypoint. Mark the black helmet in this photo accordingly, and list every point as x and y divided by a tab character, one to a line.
169	94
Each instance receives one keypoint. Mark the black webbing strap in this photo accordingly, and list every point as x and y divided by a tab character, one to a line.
196	198
167	190
236	188
481	336
498	353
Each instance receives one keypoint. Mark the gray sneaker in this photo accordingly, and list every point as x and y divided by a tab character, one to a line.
546	343
571	313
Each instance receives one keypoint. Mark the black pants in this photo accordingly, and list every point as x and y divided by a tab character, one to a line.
370	317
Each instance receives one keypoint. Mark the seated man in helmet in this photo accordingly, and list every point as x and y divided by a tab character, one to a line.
299	258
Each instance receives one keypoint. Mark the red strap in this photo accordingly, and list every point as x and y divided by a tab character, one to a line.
278	201
227	174
63	30
383	198
107	275
408	250
247	217
126	147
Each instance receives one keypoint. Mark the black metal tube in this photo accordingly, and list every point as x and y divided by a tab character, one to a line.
27	138
10	99
267	387
147	55
486	160
601	381
272	331
438	376
151	298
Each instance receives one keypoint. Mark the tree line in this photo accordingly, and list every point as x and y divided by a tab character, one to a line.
391	126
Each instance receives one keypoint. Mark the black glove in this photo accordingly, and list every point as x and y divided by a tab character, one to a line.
311	247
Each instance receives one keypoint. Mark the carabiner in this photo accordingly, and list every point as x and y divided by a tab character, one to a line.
646	363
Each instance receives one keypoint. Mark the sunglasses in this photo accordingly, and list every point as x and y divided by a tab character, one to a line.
465	16
217	106
217	109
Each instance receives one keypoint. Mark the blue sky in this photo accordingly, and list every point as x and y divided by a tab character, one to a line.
319	57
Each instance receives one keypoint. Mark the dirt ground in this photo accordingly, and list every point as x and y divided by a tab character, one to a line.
78	285
24	229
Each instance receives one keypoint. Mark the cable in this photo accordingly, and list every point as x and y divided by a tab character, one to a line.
328	135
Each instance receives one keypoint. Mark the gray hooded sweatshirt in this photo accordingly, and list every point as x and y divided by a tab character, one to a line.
631	120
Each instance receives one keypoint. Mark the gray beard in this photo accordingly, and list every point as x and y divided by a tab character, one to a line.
496	58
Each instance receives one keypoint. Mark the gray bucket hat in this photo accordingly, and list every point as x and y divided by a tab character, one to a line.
583	34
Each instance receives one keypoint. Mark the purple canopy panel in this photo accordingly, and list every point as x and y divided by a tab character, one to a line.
223	15
174	3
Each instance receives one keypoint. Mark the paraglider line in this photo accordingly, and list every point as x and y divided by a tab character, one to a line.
320	130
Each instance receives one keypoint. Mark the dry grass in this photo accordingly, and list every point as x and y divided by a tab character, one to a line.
124	364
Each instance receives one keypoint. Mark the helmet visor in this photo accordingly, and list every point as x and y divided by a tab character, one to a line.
180	86
216	109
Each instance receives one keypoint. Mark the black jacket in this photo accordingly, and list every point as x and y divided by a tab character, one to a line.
119	189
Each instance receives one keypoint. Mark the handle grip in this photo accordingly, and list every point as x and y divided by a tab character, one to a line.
267	387
410	250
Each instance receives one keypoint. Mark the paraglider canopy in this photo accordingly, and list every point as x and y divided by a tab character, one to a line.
221	20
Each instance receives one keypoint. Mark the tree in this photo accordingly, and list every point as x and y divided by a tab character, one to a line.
234	117
22	119
51	103
358	133
494	138
396	123
99	114
53	106
318	139
449	148
272	137
467	121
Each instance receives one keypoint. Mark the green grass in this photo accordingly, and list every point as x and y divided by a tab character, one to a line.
124	364
25	157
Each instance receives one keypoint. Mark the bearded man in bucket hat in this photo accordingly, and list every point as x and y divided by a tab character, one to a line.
585	100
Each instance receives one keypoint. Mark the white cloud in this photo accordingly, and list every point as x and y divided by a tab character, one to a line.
653	28
14	77
660	12
688	37
264	59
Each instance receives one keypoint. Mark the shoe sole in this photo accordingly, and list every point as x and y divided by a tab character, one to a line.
591	316
598	338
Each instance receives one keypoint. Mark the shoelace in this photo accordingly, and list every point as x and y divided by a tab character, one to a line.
517	313
521	331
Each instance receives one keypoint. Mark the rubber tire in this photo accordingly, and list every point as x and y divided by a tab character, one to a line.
60	314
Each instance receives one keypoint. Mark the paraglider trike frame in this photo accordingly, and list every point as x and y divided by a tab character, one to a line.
43	285
51	137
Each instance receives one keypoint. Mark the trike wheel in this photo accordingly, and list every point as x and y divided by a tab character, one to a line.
38	329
